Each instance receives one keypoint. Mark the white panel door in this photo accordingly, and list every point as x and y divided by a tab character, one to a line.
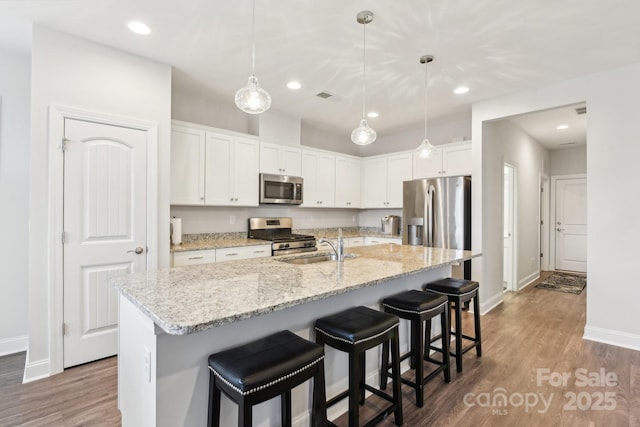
105	225
245	176
571	224
399	169
217	186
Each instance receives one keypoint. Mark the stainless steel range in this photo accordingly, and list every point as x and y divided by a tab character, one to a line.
278	232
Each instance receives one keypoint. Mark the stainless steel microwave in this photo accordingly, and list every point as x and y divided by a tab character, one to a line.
280	189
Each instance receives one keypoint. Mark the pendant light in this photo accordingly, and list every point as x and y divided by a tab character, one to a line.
363	134
425	149
252	98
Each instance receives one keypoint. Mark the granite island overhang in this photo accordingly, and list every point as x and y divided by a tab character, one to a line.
171	320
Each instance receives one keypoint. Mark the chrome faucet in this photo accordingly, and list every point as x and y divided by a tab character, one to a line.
339	250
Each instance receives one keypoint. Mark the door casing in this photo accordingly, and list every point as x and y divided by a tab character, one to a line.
57	115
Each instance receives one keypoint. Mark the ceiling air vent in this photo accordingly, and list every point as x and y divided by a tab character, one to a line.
324	95
581	110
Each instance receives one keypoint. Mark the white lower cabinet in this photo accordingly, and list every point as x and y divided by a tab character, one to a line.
205	256
369	240
208	256
243	252
351	242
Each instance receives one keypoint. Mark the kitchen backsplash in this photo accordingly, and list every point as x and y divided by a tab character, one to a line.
204	219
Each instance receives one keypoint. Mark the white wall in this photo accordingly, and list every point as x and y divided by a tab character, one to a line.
613	210
214	219
76	73
568	161
14	194
509	144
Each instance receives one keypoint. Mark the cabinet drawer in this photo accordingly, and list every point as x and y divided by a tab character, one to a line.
194	257
380	240
243	252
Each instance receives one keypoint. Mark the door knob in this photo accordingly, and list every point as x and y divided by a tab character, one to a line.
560	229
137	250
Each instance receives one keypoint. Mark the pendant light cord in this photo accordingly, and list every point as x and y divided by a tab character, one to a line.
253	39
364	65
426	65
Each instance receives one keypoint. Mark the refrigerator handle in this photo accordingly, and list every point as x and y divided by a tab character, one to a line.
429	218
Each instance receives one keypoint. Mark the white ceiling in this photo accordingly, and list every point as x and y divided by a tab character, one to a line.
493	46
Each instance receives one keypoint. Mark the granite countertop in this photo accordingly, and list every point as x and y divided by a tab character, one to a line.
234	240
189	299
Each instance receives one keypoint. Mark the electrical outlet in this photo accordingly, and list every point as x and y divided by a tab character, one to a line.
147	364
232	219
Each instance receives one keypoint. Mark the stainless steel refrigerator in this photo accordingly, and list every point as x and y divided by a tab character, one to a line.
436	212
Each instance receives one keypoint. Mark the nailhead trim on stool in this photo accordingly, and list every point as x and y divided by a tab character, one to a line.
460	291
354	331
419	308
263	369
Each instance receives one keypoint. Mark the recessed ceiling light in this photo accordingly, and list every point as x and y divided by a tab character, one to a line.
460	90
295	85
372	114
139	28
562	127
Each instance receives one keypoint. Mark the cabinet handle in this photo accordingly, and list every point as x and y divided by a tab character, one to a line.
195	257
232	254
258	252
201	198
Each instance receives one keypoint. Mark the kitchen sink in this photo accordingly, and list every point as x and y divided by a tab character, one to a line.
313	259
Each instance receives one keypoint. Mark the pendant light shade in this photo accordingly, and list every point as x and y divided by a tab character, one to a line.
363	134
425	149
252	98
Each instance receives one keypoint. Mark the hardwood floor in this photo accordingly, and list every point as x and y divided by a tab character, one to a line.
533	330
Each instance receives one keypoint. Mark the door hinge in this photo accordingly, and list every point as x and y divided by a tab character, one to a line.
63	237
64	329
541	255
65	144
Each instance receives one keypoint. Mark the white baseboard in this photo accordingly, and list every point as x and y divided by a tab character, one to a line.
528	280
491	303
608	336
36	370
13	345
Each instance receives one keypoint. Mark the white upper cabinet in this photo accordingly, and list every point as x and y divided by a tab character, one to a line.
382	178
347	182
187	166
279	159
231	170
319	174
213	168
447	160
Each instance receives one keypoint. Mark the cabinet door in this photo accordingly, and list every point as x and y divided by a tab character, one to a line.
374	183
427	168
205	256
309	173
326	180
381	240
347	182
290	160
270	158
218	188
456	160
242	252
245	175
279	159
398	170
187	166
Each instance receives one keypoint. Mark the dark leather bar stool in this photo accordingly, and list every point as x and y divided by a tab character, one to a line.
354	331
460	291
263	369
419	308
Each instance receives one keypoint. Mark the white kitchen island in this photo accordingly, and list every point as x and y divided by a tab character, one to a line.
171	320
